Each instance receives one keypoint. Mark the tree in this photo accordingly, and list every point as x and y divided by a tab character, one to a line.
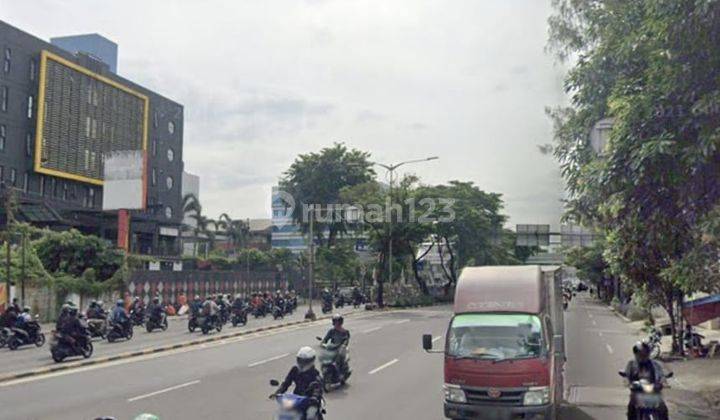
317	179
73	253
652	66
236	230
337	264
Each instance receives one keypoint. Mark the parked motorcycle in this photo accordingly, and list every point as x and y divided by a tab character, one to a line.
647	399
334	376
209	323
118	331
21	337
654	339
154	323
61	347
292	407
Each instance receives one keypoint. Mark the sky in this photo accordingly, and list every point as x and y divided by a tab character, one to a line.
263	81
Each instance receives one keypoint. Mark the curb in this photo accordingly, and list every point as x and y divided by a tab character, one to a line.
144	352
621	316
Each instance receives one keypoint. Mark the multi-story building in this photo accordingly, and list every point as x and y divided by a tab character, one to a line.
61	112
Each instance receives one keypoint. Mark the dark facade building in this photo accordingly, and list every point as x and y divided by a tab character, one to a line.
60	113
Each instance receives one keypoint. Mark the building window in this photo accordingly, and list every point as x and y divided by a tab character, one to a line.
154	147
170	155
6	60
2	169
168	212
30	103
33	69
153	177
90	197
28	144
155	119
169	182
26	182
4	98
42	185
65	191
171	127
55	187
3	137
13	176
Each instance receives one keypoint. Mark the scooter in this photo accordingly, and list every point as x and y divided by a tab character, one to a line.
20	337
154	324
239	316
292	407
333	375
118	331
327	306
60	348
137	317
647	398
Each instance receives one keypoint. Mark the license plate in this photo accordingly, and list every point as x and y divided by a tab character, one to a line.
494	414
648	400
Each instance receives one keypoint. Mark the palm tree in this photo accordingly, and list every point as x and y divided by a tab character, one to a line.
236	230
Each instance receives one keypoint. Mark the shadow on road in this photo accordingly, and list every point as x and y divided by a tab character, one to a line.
571	412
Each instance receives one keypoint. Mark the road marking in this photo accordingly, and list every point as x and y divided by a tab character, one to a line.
261	362
379	368
437	338
590	315
371	330
162	391
402	321
594	323
600	333
609	349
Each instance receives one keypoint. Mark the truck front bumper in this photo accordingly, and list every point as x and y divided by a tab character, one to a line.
495	412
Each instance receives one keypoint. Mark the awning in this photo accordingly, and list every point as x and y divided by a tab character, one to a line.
700	310
38	213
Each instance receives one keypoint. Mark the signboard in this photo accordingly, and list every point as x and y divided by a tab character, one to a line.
532	235
81	116
125	184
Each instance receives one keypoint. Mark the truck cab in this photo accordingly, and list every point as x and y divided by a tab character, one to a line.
504	347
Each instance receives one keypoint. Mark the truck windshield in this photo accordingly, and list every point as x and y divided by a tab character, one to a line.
496	336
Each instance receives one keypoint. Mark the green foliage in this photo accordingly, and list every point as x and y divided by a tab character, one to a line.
337	264
35	274
318	178
73	253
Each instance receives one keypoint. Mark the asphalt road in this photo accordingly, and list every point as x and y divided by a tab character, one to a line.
392	377
30	357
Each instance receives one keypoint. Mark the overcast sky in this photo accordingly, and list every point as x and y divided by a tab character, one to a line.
265	80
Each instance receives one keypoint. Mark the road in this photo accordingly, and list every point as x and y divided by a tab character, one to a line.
30	357
393	378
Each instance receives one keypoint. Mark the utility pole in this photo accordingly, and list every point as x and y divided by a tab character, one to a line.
310	314
22	273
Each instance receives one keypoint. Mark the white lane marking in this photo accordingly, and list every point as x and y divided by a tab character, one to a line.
379	368
261	362
437	338
609	349
162	391
402	321
590	315
600	333
594	323
371	330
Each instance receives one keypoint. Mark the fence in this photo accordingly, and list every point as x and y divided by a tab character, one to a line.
169	285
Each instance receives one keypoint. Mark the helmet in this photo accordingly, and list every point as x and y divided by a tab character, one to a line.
135	299
238	296
305	358
197	297
120	302
73	310
100	303
337	318
156	299
641	350
65	308
26	308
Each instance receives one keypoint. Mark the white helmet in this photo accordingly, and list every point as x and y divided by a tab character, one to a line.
305	358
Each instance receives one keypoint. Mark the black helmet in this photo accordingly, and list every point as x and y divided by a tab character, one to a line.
337	318
641	350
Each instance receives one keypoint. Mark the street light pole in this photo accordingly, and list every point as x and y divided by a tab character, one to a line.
310	314
391	173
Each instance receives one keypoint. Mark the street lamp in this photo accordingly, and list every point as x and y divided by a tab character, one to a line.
391	173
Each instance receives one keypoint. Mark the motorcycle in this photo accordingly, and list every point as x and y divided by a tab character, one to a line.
60	348
647	398
193	322
358	301
653	340
259	311
693	342
4	335
20	337
98	327
278	313
118	331
210	323
154	323
137	316
292	407
340	301
239	317
334	376
327	306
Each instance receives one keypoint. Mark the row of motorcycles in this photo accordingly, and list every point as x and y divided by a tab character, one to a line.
238	314
339	300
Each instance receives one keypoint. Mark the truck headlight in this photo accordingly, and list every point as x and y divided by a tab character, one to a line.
539	395
454	393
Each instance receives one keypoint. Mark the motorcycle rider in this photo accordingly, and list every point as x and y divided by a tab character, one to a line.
279	301
643	367
24	324
210	310
195	305
339	337
69	326
120	316
156	310
307	380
